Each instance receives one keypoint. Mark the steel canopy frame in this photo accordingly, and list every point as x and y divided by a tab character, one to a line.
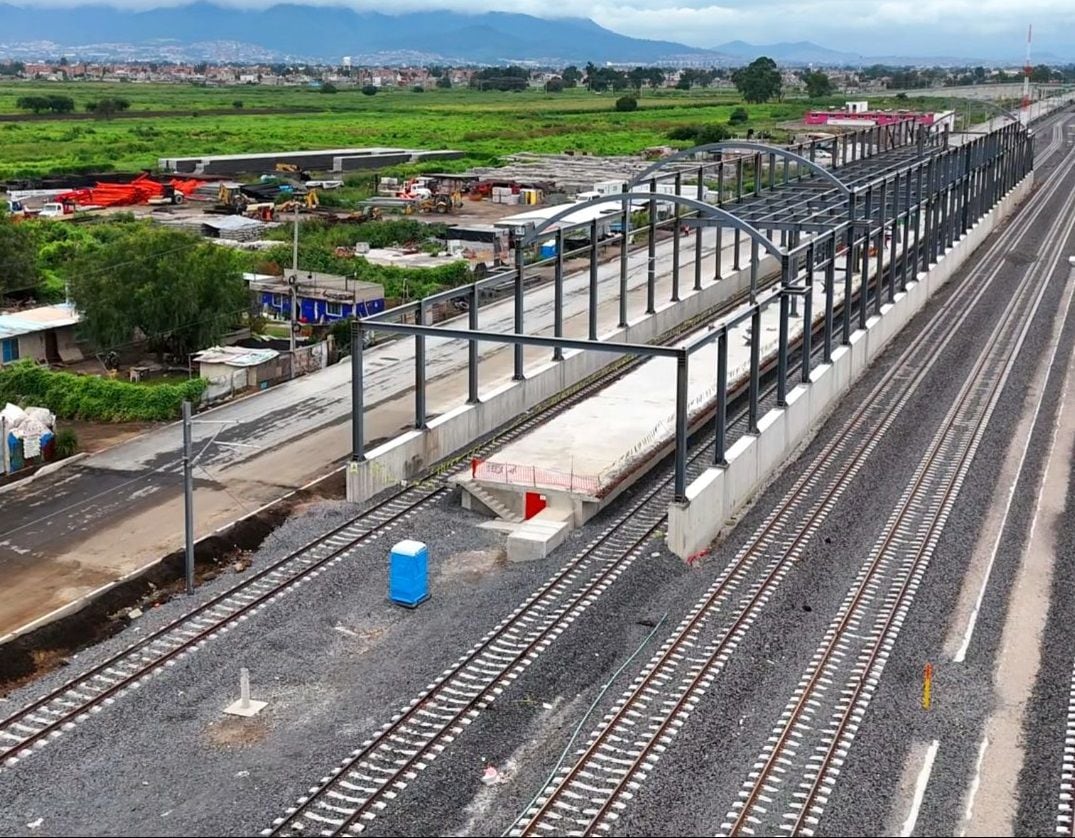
734	145
929	193
708	210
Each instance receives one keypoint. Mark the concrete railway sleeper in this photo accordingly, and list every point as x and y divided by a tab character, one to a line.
704	641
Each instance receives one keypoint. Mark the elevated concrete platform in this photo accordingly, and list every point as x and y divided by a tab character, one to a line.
580	461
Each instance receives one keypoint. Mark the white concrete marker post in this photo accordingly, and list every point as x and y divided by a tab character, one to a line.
245	706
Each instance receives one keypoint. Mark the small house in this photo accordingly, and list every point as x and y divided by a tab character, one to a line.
320	297
46	333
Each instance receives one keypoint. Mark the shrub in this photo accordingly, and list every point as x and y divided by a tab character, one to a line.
237	104
94	399
684	132
369	90
418	89
739	116
626	103
66	443
712	133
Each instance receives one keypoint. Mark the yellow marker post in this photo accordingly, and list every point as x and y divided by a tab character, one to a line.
927	686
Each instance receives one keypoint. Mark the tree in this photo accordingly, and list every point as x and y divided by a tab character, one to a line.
501	78
714	132
369	90
739	116
37	104
627	103
180	293
12	68
444	82
591	71
554	85
759	81
571	76
107	108
818	84
18	255
61	104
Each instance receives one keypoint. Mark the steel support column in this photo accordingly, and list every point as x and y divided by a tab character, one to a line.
882	205
625	225
675	242
358	451
808	314
558	296
698	232
651	269
849	269
830	293
472	348
682	383
864	283
721	418
593	280
754	259
520	262
893	239
755	369
782	349
420	369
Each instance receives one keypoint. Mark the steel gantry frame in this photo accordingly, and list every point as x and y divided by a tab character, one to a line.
901	187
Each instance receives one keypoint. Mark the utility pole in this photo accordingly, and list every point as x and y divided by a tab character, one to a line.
291	288
188	496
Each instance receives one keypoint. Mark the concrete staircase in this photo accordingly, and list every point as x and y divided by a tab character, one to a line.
490	502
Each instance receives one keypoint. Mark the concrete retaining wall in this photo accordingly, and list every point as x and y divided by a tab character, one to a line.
404	457
720	493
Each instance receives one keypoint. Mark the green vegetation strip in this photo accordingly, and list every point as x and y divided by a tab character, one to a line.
94	399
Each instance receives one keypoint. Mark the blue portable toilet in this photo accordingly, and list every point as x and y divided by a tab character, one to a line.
408	573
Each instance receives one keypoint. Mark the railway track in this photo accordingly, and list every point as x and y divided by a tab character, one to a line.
1065	816
50	715
793	778
363	784
588	795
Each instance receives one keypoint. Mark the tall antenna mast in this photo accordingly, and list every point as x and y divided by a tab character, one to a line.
1026	75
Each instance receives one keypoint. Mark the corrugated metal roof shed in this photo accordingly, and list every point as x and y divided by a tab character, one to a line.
235	356
39	319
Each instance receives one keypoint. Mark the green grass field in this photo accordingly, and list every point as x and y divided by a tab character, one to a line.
484	124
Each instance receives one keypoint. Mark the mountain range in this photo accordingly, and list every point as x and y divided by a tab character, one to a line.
325	34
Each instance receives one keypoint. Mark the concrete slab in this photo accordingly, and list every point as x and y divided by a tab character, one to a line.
539	536
250	708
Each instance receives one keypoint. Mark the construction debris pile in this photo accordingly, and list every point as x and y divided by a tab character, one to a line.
27	435
567	173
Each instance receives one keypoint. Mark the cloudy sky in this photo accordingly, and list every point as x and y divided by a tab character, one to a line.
869	27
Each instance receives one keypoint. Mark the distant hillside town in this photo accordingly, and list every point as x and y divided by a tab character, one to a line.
606	77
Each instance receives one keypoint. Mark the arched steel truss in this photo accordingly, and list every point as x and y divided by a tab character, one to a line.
740	145
705	210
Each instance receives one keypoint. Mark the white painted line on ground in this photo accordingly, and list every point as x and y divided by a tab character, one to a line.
972	792
920	790
972	621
